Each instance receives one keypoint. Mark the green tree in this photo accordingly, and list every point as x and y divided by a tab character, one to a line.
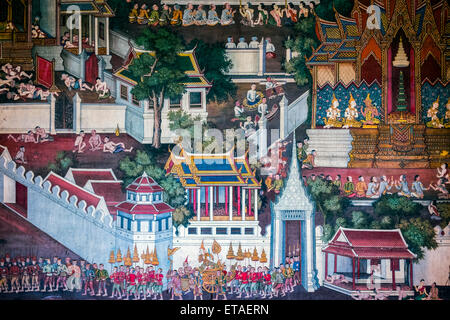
419	234
360	220
327	198
174	193
63	161
181	217
396	207
325	9
161	73
214	64
444	211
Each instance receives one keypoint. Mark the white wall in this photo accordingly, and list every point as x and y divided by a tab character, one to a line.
19	118
245	61
434	267
118	43
103	117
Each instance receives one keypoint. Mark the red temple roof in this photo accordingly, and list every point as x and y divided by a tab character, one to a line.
144	184
369	244
82	176
74	190
135	208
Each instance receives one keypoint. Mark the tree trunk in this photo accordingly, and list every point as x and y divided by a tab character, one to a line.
156	123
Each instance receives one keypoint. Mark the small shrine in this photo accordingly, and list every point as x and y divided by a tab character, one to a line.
382	74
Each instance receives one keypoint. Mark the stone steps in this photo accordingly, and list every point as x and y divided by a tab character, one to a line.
332	146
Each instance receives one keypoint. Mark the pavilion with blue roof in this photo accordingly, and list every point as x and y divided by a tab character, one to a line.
219	186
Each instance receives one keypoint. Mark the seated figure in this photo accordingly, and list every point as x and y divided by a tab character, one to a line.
143	15
164	18
333	115
270	49
189	15
369	113
177	16
153	20
432	113
227	15
242	44
247	15
351	114
200	16
230	43
213	17
132	16
254	43
253	98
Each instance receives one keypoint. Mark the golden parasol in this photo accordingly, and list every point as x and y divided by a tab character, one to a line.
146	257
230	254
135	255
155	261
263	258
239	255
112	259
255	256
127	260
216	248
119	256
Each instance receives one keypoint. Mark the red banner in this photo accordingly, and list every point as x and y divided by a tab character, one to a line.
44	74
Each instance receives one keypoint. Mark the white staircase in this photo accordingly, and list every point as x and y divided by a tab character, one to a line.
332	146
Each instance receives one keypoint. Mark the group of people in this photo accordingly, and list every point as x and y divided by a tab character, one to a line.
29	274
15	84
100	87
39	135
96	143
259	282
201	16
383	185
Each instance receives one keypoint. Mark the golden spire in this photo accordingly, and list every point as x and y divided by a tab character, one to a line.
401	60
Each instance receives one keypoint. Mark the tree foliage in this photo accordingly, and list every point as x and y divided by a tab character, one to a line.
181	217
63	161
325	9
396	207
419	234
161	73
214	64
444	211
174	193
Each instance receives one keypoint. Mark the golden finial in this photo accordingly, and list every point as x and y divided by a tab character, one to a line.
263	258
119	256
155	261
135	254
230	254
255	256
112	260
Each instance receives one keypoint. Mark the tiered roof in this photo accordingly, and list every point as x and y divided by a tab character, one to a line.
144	184
369	244
196	170
195	78
97	8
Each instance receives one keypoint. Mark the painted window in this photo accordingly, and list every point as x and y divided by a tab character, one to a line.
134	100
205	230
129	224
175	102
249	231
235	231
138	226
159	225
195	100
192	230
123	92
221	231
101	30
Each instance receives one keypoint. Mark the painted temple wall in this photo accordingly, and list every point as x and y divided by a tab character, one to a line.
103	117
190	244
21	117
434	267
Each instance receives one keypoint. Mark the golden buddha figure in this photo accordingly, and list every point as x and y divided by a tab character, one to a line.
435	122
447	114
333	115
369	113
351	114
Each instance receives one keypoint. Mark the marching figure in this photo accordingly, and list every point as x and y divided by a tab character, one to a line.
90	276
116	279
47	271
101	276
221	284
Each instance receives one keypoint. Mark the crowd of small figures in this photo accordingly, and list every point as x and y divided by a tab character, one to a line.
28	274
